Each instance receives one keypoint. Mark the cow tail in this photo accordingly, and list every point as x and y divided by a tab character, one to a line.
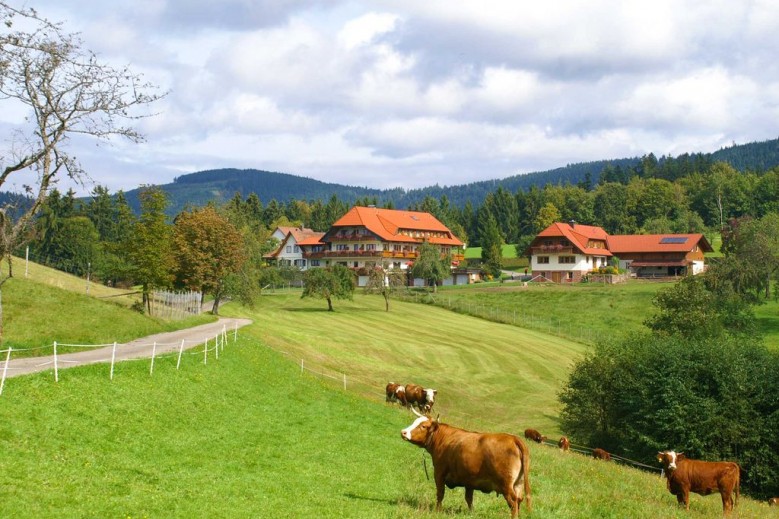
526	469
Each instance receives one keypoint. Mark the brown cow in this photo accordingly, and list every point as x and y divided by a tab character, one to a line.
600	454
774	501
390	390
422	397
532	434
564	444
702	477
489	462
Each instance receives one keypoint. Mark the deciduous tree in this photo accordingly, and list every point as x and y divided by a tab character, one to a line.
207	249
150	246
328	283
430	266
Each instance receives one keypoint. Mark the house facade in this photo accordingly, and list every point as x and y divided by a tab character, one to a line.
292	241
366	237
566	252
660	255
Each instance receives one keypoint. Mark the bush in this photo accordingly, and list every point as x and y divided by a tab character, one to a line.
712	398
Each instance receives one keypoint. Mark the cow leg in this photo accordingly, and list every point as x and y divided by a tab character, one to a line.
440	488
511	499
469	497
727	502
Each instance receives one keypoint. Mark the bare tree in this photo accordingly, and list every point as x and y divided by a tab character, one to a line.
65	91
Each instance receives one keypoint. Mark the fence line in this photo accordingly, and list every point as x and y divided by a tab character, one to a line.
219	341
356	380
175	305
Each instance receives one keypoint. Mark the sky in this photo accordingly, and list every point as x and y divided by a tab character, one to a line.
410	93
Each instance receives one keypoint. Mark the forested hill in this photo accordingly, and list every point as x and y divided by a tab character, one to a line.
221	184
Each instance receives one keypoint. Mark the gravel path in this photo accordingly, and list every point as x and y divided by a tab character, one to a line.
137	349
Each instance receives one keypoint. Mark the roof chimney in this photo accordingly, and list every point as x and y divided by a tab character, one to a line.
572	223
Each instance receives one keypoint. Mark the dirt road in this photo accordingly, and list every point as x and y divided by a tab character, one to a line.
139	348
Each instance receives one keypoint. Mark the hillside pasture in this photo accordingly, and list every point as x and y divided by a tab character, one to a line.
480	368
250	436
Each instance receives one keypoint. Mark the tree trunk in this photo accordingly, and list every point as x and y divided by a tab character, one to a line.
329	305
386	301
215	308
10	266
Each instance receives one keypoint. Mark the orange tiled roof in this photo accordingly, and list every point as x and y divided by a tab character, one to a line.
388	223
658	243
579	235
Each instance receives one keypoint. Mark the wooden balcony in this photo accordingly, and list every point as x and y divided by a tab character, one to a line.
552	249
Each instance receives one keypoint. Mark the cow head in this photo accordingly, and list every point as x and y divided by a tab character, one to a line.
419	432
668	459
430	395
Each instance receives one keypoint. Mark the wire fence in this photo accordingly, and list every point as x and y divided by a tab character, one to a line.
114	352
367	388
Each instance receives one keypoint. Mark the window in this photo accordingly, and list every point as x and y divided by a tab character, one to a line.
370	246
314	263
289	249
297	249
542	259
567	259
356	264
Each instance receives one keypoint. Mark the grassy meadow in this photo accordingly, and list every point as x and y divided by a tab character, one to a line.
253	435
250	436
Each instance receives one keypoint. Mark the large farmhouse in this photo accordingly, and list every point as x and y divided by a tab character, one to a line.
369	236
566	252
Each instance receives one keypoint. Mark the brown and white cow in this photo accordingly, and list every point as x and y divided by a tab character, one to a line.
774	501
532	434
422	397
489	462
564	444
396	393
702	477
600	454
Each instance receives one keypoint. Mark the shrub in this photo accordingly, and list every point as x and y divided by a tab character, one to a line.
712	398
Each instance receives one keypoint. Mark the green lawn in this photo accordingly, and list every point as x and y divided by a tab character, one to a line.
250	436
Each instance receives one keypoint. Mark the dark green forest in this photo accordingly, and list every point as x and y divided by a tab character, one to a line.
221	184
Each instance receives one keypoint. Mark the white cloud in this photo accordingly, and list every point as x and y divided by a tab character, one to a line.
411	93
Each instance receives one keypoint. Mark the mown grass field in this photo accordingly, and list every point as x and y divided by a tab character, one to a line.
250	436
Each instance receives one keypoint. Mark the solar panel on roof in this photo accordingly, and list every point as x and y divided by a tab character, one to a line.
673	239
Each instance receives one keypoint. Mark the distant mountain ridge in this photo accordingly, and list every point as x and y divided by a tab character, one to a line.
219	185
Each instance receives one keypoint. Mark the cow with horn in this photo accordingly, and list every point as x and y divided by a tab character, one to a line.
488	462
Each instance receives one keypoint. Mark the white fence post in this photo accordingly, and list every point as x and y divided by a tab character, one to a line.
181	350
205	352
153	351
5	369
301	366
344	381
113	358
216	344
56	370
235	333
